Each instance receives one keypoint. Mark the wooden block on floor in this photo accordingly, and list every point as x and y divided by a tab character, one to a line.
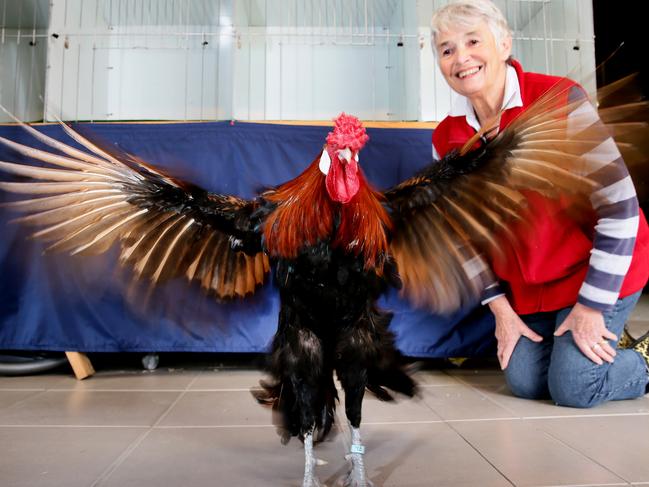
80	364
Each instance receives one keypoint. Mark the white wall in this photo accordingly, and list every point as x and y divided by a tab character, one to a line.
277	78
262	59
22	75
403	62
559	39
136	69
295	60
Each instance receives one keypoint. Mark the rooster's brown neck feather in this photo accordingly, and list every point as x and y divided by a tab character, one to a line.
305	215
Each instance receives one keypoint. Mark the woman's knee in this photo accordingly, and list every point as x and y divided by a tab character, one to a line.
526	385
573	388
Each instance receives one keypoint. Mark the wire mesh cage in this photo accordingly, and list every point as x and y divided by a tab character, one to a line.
23	54
254	59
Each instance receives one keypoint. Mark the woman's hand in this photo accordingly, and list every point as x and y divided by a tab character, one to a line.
589	333
509	329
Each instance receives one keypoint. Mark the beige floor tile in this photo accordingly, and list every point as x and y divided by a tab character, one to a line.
134	380
424	456
641	311
404	456
43	382
70	457
462	402
218	408
433	378
528	456
482	376
403	409
227	379
89	408
637	328
525	408
621	444
638	323
200	457
10	398
213	408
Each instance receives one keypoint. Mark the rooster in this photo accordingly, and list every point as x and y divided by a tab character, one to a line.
335	243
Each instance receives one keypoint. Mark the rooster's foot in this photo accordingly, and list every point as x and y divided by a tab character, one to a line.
357	476
310	478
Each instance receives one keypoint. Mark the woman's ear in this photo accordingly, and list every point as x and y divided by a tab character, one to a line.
505	48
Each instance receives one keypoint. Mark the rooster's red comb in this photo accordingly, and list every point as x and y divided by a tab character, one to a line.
348	132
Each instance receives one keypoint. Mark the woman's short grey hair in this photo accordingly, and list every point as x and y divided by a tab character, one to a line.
466	13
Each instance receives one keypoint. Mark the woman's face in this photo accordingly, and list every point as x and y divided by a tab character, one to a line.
471	60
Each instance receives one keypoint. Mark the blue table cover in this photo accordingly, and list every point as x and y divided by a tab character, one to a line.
58	302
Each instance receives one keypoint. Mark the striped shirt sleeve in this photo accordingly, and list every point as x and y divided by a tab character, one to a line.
477	268
491	292
617	210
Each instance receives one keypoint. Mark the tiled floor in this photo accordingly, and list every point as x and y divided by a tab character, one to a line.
199	426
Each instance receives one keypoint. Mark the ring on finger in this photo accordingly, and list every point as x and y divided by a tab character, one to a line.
596	346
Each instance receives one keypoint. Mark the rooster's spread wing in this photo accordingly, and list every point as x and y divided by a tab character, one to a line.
83	202
458	209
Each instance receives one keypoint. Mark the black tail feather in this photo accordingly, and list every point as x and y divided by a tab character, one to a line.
328	415
280	397
395	379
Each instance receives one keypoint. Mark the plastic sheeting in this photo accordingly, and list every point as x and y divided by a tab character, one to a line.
88	303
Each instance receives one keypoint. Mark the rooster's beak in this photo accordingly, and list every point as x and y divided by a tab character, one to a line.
345	155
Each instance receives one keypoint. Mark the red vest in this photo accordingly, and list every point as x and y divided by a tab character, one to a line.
547	267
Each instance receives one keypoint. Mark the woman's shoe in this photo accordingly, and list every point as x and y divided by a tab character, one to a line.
626	340
641	345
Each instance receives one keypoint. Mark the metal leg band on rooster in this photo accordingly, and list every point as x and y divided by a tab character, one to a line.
357	476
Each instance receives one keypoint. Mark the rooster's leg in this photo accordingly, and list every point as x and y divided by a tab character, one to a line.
357	476
303	364
310	478
354	380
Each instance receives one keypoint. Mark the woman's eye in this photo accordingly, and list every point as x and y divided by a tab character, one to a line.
446	52
473	42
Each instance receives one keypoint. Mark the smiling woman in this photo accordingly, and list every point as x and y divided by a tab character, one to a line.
472	60
572	271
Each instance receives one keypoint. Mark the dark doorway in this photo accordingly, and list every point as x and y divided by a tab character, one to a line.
617	23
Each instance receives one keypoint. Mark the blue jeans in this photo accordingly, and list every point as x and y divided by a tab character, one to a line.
555	368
